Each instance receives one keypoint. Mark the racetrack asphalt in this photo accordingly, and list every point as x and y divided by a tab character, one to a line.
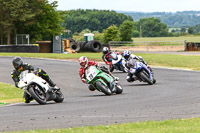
175	95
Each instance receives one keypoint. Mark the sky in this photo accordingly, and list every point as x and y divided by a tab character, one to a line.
131	5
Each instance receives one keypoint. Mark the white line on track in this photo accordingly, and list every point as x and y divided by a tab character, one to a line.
10	105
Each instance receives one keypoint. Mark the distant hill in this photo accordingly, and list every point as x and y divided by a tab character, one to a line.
173	20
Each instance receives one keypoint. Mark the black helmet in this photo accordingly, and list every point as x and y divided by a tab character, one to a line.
105	50
17	62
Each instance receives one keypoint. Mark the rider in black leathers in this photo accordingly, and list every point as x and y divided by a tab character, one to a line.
20	67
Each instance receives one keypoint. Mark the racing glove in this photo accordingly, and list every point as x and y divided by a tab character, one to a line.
108	63
83	80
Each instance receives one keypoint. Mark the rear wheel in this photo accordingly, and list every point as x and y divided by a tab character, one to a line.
38	94
59	96
103	88
145	77
119	89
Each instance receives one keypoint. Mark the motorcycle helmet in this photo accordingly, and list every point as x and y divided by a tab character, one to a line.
83	61
105	50
17	62
127	54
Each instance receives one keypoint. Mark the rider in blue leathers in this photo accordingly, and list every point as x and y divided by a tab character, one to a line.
130	58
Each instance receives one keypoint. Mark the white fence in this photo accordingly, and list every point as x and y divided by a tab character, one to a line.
22	39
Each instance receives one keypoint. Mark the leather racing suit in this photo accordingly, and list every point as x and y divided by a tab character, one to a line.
40	72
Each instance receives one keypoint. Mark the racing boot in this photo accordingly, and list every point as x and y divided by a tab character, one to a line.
51	83
91	88
131	78
27	98
151	70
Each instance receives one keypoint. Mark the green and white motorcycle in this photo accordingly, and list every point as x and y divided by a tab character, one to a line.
102	81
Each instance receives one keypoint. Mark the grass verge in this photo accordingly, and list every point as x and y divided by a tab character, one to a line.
10	94
168	126
181	38
94	56
167	60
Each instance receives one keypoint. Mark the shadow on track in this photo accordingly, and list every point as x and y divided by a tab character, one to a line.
33	103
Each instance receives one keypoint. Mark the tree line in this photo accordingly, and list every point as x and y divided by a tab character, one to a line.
94	20
41	20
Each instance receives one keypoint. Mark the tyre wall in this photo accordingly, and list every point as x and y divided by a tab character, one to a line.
91	46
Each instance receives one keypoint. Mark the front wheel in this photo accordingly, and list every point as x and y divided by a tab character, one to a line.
119	88
59	96
38	94
145	77
103	88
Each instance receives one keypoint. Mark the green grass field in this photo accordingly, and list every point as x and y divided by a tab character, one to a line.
191	125
176	61
160	39
10	94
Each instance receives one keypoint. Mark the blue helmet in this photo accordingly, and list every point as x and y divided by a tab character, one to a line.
127	54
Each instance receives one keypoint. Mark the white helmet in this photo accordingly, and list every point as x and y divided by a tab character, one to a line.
105	50
83	61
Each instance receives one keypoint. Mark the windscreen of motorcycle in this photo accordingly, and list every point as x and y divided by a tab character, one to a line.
22	76
131	63
91	73
114	56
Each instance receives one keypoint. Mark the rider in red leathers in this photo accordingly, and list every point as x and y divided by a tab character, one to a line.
84	63
107	57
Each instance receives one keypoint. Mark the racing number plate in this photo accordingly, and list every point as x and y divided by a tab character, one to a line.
91	74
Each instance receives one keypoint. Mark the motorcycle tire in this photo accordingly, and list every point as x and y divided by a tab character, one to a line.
38	94
119	89
112	68
154	81
145	78
103	88
59	96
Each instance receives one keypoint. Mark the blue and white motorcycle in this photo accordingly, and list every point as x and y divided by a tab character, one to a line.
142	73
118	62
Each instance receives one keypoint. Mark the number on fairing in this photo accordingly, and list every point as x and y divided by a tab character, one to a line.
91	74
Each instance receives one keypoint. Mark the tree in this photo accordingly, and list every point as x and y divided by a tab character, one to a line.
136	33
151	27
183	29
191	30
38	18
13	11
46	22
112	33
94	20
126	30
84	31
